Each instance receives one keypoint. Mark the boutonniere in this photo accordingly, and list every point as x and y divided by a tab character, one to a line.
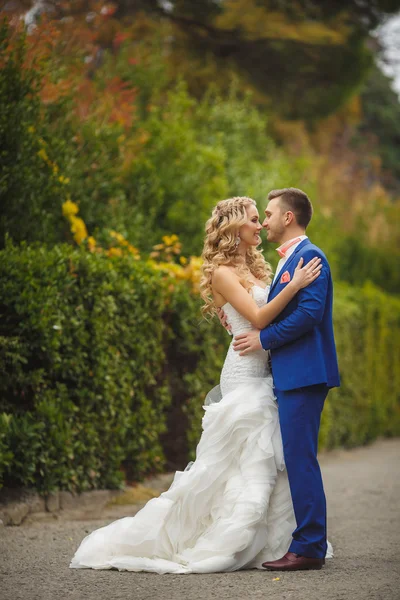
285	277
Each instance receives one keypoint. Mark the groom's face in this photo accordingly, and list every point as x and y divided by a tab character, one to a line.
274	222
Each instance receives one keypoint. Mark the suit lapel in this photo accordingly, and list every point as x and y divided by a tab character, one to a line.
288	263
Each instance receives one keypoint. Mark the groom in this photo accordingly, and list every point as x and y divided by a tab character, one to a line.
304	367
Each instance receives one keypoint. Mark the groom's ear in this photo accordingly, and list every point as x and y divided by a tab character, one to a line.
289	217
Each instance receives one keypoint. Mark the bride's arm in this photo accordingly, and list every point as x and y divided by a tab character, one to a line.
226	283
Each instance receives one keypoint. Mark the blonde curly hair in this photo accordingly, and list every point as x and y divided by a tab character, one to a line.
220	248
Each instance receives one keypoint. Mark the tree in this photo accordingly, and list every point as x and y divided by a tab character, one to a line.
380	124
307	57
30	180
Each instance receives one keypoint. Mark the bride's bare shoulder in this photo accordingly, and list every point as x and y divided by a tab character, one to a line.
224	277
223	273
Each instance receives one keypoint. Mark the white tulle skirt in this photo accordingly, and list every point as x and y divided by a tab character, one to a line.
230	510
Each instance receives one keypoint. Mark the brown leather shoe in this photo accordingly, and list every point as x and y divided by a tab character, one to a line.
294	562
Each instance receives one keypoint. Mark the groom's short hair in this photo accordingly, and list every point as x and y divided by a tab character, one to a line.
297	201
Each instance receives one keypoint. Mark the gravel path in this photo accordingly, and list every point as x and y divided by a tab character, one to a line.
363	492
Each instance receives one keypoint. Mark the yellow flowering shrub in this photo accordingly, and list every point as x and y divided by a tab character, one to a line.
91	243
168	249
78	227
69	209
112	252
124	247
165	257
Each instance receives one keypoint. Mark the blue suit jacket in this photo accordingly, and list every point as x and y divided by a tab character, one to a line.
301	338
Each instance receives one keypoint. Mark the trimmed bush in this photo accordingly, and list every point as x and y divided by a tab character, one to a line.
92	352
367	331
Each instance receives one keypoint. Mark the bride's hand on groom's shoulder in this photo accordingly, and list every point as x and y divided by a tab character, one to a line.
244	343
304	275
223	319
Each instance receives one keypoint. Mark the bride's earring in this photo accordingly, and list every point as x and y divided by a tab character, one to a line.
237	241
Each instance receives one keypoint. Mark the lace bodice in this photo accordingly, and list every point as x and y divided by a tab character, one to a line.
239	369
238	323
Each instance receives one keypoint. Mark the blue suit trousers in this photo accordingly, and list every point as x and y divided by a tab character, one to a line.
300	416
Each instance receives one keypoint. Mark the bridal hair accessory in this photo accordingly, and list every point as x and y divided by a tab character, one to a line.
285	277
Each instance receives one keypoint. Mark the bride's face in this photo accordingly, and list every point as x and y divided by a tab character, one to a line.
249	233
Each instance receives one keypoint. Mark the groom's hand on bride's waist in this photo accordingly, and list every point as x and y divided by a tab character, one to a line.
244	343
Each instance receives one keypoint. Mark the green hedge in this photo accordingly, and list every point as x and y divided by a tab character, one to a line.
92	352
104	364
367	332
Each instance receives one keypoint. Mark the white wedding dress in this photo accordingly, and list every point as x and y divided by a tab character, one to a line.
231	508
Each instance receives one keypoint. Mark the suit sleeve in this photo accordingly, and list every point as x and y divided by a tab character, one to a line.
308	313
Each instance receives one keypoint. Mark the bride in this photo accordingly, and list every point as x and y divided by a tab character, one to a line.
231	508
